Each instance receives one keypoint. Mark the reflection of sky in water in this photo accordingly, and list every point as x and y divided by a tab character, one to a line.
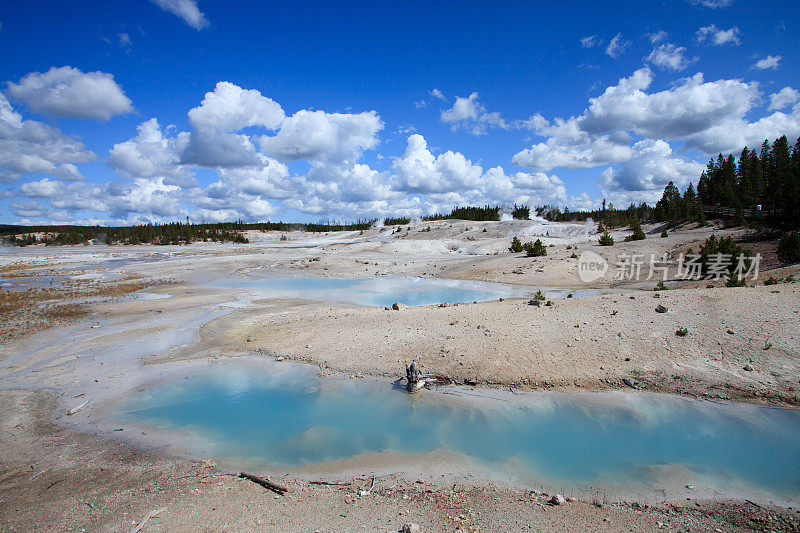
378	291
286	419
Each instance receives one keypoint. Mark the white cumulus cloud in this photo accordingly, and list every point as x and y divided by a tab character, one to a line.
436	93
669	56
590	41
570	146
690	107
419	171
231	108
185	9
657	37
68	92
616	46
651	167
28	146
769	62
150	154
713	4
323	137
784	98
711	34
470	114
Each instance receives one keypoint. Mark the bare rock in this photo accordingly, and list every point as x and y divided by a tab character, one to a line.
661	309
748	368
411	528
397	306
557	499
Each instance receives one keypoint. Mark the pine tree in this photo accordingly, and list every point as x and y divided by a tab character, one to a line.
782	177
792	215
756	171
693	208
703	188
767	168
670	208
745	187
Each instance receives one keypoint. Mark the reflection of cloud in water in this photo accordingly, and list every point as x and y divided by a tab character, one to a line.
378	291
287	415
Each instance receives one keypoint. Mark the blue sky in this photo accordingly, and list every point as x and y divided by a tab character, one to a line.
319	111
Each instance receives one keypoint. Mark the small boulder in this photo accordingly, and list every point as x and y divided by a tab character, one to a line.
630	383
557	499
661	309
398	306
748	368
411	528
535	302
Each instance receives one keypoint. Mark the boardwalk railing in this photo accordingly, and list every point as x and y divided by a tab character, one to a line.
731	211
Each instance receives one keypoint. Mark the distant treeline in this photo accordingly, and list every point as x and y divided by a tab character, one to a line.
400	221
479	214
486	213
608	216
769	178
161	234
521	212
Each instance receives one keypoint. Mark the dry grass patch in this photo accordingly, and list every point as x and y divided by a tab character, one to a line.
115	290
66	311
25	312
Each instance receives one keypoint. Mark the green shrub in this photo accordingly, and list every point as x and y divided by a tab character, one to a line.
660	286
789	247
771	281
664	234
535	249
736	281
606	239
539	295
638	232
574	255
713	246
681	332
516	245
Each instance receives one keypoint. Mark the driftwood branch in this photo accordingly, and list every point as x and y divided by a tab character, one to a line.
334	483
267	484
150	515
78	408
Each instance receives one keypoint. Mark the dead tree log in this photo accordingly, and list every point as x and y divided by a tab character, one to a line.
267	484
412	377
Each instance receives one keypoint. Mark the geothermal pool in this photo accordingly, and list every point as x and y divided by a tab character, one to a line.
377	291
280	416
384	291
